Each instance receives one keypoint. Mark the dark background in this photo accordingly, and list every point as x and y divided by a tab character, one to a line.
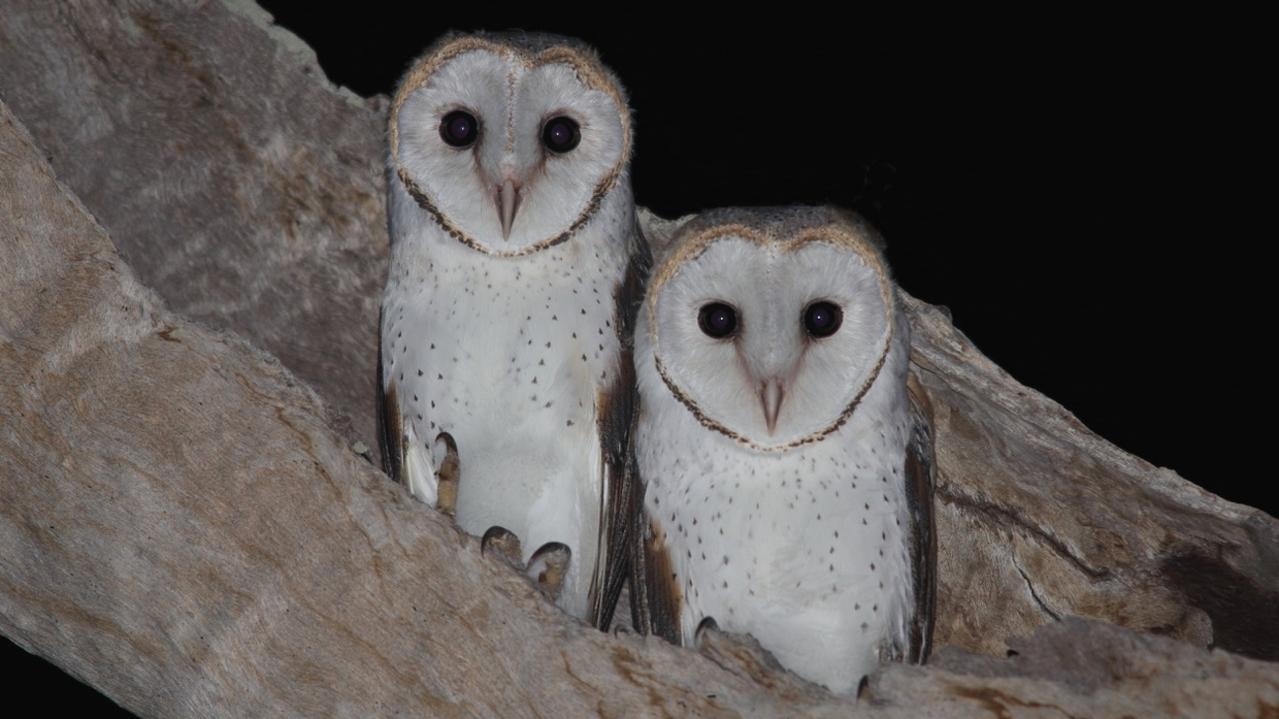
1081	192
1074	190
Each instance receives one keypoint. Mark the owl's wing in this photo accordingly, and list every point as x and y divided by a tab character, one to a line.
920	468
405	458
622	494
390	423
619	500
655	593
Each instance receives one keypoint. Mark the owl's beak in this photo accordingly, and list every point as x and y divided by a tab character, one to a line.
508	203
771	394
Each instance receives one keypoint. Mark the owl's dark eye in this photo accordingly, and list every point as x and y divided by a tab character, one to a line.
717	320
459	128
561	134
822	319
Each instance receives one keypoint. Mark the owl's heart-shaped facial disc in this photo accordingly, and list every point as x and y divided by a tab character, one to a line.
510	149
770	340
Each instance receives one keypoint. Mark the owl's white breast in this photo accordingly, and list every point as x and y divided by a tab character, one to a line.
804	549
509	356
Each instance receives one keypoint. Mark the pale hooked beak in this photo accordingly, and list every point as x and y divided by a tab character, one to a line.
508	203
771	394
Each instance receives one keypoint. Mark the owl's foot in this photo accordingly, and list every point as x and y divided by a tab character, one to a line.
446	476
504	545
704	628
548	567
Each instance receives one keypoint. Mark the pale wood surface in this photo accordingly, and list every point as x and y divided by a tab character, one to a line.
231	175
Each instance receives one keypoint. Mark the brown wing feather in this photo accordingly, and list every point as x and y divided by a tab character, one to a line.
619	409
920	468
390	423
618	501
655	589
655	592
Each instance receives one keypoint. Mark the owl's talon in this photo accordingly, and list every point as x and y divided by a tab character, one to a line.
707	625
548	566
504	545
447	475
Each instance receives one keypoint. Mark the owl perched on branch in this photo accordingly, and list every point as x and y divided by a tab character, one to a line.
516	267
787	464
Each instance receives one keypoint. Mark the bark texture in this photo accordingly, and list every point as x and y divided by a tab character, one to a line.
1038	518
182	527
238	183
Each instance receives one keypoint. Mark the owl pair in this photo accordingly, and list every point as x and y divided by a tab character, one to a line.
731	431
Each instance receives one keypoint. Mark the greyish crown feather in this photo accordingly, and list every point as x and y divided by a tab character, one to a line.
776	224
524	43
675	242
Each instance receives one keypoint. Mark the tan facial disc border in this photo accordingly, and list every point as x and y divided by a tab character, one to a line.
829	234
587	71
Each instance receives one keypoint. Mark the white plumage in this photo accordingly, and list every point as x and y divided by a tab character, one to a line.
507	294
787	489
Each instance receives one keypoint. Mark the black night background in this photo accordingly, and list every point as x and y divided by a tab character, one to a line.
1077	191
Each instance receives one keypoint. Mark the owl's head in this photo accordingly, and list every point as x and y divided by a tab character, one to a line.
509	141
769	324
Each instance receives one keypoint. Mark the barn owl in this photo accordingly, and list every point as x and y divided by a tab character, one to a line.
786	464
516	269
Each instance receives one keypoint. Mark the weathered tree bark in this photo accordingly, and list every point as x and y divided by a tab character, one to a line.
1039	518
237	182
182	530
177	525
